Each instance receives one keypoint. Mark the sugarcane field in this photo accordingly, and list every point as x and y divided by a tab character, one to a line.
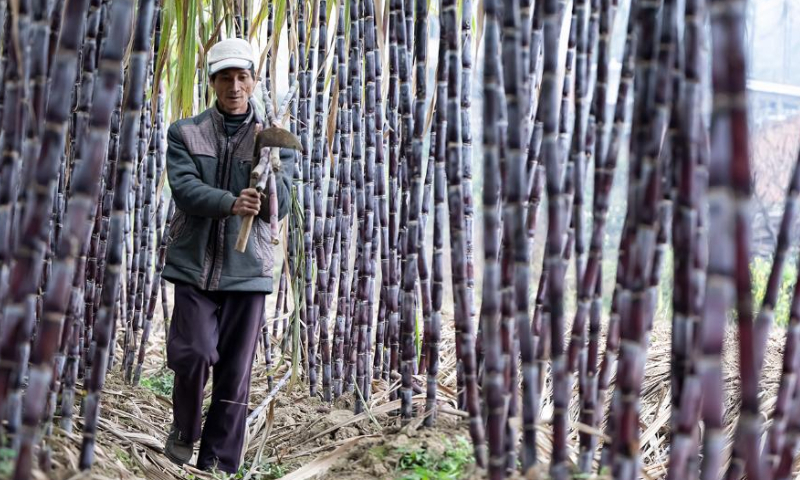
400	239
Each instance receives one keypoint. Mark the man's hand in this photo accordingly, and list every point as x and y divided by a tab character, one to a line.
247	203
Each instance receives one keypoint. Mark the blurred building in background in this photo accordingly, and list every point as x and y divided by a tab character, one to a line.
773	89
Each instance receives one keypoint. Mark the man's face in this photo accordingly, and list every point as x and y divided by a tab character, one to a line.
233	87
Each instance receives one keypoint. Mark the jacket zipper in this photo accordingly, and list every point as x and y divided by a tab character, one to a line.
215	229
225	166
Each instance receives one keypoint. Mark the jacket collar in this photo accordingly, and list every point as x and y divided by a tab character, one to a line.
219	119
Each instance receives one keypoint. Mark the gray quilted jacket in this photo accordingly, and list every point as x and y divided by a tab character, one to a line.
206	170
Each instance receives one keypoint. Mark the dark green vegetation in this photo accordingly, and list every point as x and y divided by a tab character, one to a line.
420	464
265	472
7	461
160	383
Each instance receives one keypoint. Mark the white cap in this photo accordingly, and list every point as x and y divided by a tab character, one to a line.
230	53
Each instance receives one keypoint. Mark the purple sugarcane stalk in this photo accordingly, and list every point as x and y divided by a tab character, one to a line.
494	389
728	193
36	234
121	13
777	431
462	308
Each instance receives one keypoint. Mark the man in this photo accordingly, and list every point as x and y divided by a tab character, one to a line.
219	292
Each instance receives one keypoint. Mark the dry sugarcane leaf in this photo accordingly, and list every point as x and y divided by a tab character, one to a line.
72	459
166	465
321	448
655	426
263	56
447	390
197	473
385	408
136	409
142	438
84	475
146	466
267	432
657	470
377	398
306	427
323	463
583	428
452	411
39	475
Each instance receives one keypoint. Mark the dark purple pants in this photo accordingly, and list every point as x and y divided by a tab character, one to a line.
219	330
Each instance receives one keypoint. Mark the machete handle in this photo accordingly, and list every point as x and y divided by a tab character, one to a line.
247	221
256	179
244	233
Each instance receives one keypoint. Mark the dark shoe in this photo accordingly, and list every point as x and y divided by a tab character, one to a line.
178	449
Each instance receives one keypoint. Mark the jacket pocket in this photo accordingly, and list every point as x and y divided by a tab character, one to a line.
240	175
263	247
187	241
177	226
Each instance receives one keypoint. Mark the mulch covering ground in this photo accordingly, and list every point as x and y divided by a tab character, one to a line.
302	437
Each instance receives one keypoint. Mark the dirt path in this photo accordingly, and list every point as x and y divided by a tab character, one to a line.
291	433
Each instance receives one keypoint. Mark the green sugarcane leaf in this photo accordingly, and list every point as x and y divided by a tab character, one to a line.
279	18
216	11
328	14
165	46
201	28
258	20
175	57
263	58
479	21
213	37
187	53
228	13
